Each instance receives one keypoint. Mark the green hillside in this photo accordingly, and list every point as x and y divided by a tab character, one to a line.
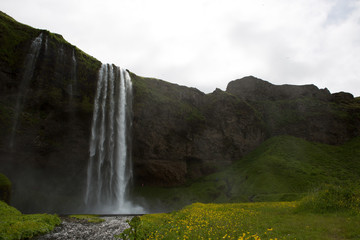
15	225
283	168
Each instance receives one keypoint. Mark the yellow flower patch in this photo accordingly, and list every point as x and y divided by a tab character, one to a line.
209	221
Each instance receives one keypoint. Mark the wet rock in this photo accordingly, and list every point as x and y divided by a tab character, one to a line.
80	229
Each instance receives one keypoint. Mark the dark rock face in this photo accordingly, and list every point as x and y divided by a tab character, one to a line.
301	111
179	133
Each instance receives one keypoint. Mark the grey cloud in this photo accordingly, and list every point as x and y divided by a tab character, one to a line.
340	11
205	44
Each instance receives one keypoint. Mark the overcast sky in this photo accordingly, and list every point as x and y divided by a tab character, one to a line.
207	43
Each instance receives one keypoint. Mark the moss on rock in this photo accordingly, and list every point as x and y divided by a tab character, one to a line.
5	188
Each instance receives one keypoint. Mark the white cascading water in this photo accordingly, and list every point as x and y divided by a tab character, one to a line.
109	170
29	67
72	87
73	73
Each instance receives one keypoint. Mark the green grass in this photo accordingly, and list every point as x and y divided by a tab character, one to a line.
88	218
283	168
267	220
14	225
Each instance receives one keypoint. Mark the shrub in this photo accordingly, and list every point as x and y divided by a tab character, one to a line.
330	198
134	232
5	188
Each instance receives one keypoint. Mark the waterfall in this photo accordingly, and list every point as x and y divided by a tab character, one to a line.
73	73
29	67
72	87
46	43
109	170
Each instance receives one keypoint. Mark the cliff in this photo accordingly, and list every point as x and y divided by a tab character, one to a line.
45	115
179	134
302	111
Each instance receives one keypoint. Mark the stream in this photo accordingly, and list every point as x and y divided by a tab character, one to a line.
81	229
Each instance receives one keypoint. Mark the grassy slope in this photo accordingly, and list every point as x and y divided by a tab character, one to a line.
282	168
291	165
14	225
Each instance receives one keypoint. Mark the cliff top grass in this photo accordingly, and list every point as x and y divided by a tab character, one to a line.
15	40
12	34
149	88
14	225
150	92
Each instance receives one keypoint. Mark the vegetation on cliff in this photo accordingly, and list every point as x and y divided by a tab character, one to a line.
53	71
311	118
12	35
172	97
14	225
52	119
